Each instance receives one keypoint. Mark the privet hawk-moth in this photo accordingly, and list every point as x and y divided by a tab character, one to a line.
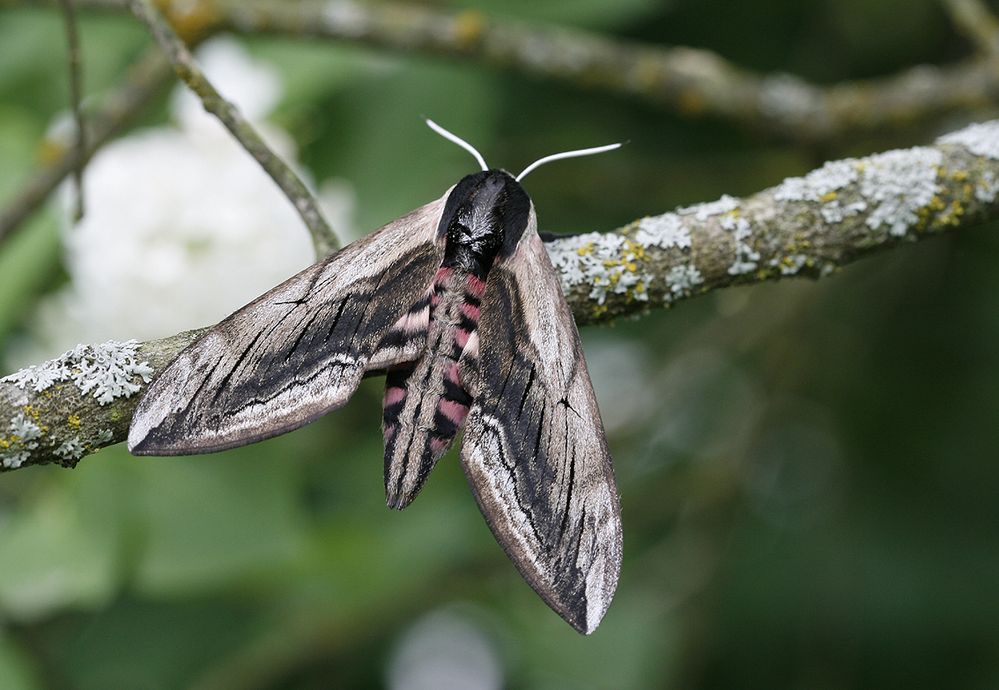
458	304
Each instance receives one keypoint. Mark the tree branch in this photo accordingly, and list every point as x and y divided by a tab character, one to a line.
806	226
975	20
75	98
323	237
689	81
142	83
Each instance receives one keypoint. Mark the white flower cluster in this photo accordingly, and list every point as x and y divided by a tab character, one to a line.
899	183
182	225
107	371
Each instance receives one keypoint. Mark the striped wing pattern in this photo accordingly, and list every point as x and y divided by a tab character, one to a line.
298	351
534	449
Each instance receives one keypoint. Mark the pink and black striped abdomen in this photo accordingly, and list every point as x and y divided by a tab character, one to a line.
425	403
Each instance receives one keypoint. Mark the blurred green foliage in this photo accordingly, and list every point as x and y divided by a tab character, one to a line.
809	482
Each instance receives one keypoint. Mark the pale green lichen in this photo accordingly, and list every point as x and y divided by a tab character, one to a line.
897	185
71	450
682	280
981	139
609	264
107	371
746	256
20	441
822	186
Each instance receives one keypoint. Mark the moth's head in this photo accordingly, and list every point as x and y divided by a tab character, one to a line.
490	207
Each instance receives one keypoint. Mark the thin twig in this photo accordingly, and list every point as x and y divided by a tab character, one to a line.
807	227
976	21
184	65
689	81
142	83
75	97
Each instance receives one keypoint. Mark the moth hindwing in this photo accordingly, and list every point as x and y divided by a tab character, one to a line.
459	305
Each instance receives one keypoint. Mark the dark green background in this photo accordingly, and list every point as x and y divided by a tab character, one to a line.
809	497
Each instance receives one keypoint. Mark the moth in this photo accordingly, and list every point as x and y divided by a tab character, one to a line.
458	304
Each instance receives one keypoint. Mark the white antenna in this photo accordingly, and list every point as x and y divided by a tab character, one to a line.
568	154
459	141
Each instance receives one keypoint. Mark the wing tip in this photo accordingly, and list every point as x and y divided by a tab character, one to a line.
582	615
142	444
137	442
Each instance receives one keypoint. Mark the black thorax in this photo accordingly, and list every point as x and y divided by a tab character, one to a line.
484	217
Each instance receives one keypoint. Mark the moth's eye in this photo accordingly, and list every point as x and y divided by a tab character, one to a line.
459	229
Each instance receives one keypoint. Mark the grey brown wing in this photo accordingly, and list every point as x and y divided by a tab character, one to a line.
534	449
301	349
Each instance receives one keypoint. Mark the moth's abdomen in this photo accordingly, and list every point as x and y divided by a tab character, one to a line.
425	403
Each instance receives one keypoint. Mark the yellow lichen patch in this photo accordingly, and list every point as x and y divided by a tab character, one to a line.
647	72
51	151
73	420
828	196
5	443
691	102
959	175
635	250
468	28
191	20
952	216
585	249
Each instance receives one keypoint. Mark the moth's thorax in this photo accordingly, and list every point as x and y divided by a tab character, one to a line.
484	217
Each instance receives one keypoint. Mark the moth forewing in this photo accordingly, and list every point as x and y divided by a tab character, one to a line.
297	351
534	449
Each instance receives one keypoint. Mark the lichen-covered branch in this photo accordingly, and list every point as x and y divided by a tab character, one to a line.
64	409
689	81
141	85
805	226
187	69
